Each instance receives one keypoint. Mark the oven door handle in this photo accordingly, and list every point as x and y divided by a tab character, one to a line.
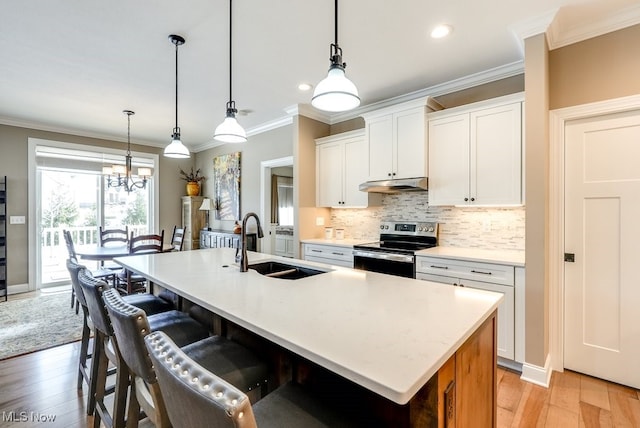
403	258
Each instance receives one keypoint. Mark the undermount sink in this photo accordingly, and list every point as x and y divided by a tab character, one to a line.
283	270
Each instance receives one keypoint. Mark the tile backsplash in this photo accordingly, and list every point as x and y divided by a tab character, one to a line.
482	227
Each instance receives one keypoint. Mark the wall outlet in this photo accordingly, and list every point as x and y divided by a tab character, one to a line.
17	219
319	221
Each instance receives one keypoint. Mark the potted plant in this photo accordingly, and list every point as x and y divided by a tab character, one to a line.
193	180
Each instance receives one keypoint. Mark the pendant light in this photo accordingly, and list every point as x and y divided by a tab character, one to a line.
230	131
336	93
176	149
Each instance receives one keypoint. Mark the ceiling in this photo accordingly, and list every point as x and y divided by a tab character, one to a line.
74	65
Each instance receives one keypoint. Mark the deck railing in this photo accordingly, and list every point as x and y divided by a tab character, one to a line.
54	251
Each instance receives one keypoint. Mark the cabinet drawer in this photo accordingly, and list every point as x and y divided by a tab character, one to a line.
485	272
328	252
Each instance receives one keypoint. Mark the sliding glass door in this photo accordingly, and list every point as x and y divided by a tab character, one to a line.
72	194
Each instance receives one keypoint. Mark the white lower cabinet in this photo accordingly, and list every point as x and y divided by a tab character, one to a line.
284	245
330	254
484	276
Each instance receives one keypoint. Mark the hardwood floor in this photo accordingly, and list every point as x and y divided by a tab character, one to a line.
572	400
43	383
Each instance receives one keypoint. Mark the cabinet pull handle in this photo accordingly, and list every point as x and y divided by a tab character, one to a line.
439	267
473	199
479	271
466	199
316	251
337	254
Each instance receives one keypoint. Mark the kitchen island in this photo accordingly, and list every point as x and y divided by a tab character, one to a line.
404	340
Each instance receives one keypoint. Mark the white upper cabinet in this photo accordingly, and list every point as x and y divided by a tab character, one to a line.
475	153
397	140
341	166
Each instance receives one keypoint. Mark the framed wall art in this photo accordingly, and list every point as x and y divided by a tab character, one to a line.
226	179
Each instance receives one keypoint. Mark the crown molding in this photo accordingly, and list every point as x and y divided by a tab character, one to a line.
601	24
526	28
308	111
76	132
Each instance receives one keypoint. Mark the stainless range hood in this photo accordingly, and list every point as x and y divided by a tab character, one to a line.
395	186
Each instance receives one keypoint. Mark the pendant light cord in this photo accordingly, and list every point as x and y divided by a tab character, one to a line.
176	85
128	132
230	47
336	22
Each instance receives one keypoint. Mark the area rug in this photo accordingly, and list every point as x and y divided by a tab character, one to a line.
33	324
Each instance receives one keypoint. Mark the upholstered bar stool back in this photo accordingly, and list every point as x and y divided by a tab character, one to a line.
197	397
218	354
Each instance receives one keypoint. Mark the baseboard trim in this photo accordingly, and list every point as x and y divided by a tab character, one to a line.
536	374
18	288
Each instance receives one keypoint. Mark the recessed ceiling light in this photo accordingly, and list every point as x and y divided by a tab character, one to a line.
441	31
305	86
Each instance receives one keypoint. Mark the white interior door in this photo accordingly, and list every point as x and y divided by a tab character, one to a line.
602	229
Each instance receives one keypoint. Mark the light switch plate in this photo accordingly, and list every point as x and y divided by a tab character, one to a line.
319	221
17	219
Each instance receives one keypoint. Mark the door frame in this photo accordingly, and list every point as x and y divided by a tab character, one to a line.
558	120
265	192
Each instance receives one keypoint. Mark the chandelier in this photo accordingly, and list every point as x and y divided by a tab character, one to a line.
120	176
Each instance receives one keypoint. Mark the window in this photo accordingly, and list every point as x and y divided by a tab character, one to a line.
71	193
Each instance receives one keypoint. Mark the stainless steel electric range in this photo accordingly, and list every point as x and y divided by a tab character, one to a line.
394	253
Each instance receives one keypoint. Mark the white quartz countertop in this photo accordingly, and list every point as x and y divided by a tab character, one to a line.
505	257
337	242
388	334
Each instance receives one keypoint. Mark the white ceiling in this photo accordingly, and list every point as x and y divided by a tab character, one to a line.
74	65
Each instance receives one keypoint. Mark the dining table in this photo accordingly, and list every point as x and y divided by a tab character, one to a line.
107	252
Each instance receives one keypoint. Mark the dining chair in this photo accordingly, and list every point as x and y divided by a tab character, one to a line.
141	244
110	237
105	274
196	397
177	238
107	236
223	356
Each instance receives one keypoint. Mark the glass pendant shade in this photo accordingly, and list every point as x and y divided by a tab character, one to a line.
176	149
230	131
335	92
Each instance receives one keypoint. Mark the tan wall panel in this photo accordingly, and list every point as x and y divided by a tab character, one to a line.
304	182
597	69
537	211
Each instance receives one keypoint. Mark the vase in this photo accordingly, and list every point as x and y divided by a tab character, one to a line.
193	188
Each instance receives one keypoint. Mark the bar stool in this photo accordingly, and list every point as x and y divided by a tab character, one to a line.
105	348
195	397
230	360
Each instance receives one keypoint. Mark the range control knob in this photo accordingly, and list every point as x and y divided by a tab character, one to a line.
431	229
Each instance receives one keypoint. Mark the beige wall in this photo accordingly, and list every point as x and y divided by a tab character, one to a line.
13	163
274	144
304	181
537	197
597	69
